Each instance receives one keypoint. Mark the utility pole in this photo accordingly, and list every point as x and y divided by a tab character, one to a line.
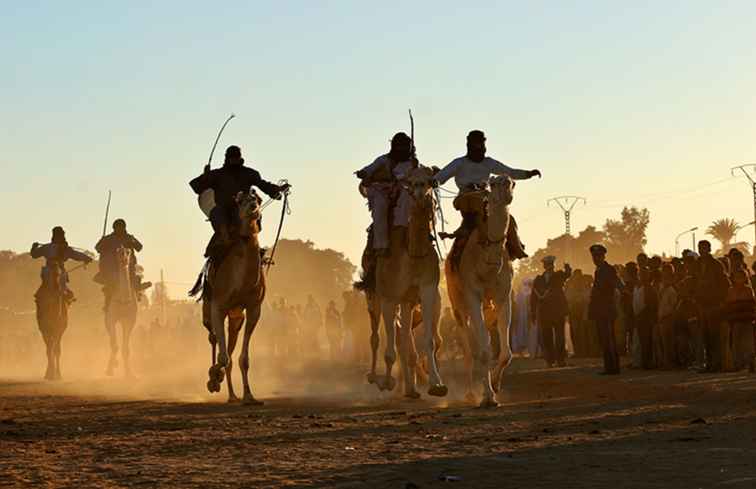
567	203
677	239
744	170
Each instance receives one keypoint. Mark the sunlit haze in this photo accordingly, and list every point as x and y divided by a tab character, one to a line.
645	104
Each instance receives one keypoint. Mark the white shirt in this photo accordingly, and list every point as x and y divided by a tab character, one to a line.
467	172
400	170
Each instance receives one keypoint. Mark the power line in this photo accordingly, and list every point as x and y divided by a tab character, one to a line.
567	204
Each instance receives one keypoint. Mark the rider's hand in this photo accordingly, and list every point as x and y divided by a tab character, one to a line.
362	174
35	245
535	173
206	171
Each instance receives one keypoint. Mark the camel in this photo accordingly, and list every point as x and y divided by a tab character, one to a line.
52	315
407	277
484	274
121	308
231	288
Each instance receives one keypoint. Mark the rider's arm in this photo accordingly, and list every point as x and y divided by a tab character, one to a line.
499	168
38	250
202	182
72	254
369	170
448	171
134	243
271	189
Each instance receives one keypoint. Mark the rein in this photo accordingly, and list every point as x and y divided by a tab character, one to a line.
285	210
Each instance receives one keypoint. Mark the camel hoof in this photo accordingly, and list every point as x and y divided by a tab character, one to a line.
388	384
251	401
488	403
233	400
438	390
412	395
372	378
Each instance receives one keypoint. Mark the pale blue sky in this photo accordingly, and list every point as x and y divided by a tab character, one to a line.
645	103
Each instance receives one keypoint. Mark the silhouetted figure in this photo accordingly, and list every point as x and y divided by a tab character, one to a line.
106	247
56	253
389	203
334	330
711	290
740	315
471	173
549	305
226	182
646	309
602	309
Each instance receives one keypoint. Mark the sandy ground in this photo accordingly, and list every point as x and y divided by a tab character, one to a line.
555	428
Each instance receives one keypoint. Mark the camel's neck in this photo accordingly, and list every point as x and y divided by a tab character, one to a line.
420	226
124	292
498	220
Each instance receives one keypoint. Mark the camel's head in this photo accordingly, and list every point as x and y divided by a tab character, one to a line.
249	212
502	190
419	183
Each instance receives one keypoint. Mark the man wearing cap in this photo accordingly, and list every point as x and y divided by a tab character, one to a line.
549	306
601	308
378	180
226	182
471	172
56	252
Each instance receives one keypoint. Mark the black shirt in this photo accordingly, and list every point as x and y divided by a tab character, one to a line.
229	180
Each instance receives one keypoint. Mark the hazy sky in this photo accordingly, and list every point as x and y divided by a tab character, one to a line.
645	103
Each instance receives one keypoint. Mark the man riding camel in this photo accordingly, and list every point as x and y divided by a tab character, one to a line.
106	247
379	181
226	182
56	253
471	173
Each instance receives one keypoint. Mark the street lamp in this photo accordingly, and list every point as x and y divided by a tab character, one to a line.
738	228
677	239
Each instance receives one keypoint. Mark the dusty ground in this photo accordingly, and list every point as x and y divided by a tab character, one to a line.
559	428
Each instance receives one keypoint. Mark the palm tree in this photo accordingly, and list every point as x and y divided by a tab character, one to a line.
723	230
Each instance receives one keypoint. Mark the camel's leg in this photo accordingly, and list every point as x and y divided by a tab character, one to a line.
110	326
218	318
389	310
253	316
375	339
481	346
56	356
128	328
431	301
50	372
504	321
407	353
234	326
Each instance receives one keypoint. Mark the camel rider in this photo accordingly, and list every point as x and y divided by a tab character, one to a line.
471	172
379	181
226	182
56	252
107	247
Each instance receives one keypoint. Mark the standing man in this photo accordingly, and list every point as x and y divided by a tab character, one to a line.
712	285
471	172
379	180
334	330
601	308
549	305
313	321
